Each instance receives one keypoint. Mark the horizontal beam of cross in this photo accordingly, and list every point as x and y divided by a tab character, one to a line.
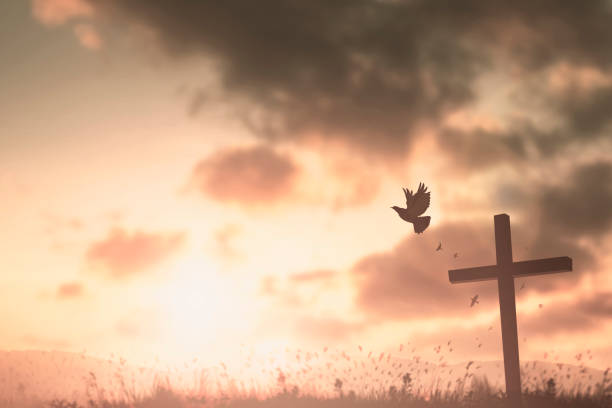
516	269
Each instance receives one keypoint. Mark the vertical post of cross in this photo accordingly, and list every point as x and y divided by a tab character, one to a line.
507	309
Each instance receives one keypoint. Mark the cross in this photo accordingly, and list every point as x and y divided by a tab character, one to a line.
504	272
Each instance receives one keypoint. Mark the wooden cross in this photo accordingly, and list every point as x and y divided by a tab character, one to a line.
504	272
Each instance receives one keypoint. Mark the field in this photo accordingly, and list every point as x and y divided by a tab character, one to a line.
480	395
400	384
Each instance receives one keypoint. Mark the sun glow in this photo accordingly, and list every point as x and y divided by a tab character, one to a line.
198	307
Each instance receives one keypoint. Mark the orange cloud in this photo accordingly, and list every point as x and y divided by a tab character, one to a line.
69	290
56	12
246	175
224	243
411	280
313	276
123	254
88	36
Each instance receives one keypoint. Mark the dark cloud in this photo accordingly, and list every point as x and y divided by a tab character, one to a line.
70	290
581	315
557	215
367	72
586	115
411	280
363	71
246	175
480	148
582	206
123	254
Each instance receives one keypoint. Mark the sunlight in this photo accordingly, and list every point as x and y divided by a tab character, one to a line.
192	301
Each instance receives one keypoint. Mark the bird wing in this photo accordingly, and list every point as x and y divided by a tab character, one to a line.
417	203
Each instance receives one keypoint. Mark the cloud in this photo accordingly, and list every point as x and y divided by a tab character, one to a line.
480	148
56	12
88	36
70	290
411	280
246	176
558	215
269	286
312	276
353	182
367	73
310	290
124	254
224	243
582	205
576	316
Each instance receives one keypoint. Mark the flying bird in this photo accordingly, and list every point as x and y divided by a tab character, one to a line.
416	204
474	301
439	246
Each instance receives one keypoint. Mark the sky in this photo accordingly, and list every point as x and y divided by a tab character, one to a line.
185	178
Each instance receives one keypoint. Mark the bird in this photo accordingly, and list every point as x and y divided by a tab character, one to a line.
474	301
439	246
416	204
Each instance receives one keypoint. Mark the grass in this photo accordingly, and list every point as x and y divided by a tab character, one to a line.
384	383
478	394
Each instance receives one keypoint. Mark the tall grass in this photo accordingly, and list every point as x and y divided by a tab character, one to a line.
475	393
339	380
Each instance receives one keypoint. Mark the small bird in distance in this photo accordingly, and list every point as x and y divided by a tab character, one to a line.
416	204
474	301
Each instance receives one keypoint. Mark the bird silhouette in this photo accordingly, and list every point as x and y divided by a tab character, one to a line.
474	301
416	204
439	246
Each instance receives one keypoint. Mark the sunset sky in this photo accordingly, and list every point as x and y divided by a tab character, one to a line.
180	178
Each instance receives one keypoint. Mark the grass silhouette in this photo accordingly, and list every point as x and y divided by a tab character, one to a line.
339	380
478	394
